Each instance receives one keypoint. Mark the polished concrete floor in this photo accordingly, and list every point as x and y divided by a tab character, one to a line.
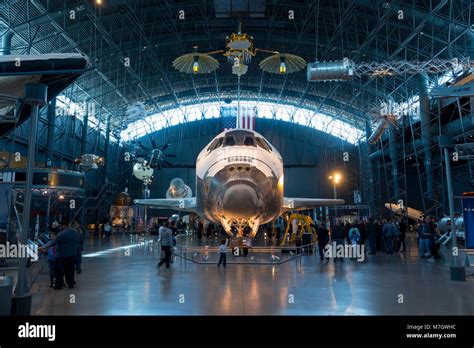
121	280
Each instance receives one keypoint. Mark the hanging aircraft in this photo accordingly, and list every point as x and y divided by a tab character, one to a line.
239	183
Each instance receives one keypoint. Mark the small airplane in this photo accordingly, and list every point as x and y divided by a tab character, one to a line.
239	184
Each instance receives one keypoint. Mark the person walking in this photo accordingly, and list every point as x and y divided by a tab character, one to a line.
388	235
323	239
166	239
403	231
426	235
378	236
338	235
223	253
371	235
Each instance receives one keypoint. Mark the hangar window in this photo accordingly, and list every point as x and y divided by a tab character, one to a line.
328	121
215	144
263	144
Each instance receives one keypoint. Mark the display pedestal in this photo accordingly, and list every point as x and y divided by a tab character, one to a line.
21	305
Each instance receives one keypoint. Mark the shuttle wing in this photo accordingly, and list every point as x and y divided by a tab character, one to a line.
186	204
308	203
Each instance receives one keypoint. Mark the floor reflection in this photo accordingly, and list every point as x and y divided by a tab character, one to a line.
341	289
113	283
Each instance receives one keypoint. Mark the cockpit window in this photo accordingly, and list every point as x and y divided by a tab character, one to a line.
240	137
215	144
229	140
249	141
263	144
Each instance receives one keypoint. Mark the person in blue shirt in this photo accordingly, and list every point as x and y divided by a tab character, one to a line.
51	262
66	243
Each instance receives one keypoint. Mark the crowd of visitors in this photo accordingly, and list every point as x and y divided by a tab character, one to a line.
384	236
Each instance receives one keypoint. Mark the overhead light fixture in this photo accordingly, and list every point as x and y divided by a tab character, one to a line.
98	2
336	178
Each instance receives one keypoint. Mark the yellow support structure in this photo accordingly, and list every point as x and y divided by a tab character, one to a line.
304	223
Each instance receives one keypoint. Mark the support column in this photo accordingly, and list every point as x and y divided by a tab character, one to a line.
426	136
365	150
7	42
35	95
106	148
85	121
393	149
50	135
471	56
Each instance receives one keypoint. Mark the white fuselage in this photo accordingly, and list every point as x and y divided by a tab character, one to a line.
239	180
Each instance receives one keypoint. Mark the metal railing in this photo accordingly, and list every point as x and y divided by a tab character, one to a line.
274	255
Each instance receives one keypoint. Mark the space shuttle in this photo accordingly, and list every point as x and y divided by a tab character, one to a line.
239	184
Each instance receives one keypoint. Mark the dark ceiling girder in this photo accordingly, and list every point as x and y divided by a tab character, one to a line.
161	22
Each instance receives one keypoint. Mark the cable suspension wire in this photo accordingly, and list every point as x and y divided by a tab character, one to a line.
237	122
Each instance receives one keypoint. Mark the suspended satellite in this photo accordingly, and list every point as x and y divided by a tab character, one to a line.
282	63
143	173
178	189
196	63
154	158
90	161
239	52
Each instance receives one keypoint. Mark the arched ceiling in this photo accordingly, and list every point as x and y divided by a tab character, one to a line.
151	35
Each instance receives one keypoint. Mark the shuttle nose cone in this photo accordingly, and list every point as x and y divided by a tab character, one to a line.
240	202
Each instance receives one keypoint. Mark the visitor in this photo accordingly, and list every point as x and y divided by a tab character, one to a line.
354	236
403	231
107	232
51	263
347	227
166	239
362	231
323	239
96	229
370	228
378	236
80	247
338	236
223	253
388	233
66	243
426	234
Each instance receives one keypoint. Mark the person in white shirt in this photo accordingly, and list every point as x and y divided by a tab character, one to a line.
223	253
